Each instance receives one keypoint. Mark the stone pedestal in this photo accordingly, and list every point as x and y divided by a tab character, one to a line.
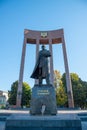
43	95
58	122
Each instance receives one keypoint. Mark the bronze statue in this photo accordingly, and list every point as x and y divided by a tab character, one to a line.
41	70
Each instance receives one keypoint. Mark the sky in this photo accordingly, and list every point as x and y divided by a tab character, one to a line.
17	15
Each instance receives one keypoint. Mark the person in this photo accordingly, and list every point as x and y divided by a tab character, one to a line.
41	70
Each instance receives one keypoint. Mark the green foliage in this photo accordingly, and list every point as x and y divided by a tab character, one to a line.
79	88
26	94
13	93
2	107
79	96
61	96
79	91
57	79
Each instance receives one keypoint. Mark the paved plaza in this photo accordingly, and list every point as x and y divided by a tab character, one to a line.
84	123
26	111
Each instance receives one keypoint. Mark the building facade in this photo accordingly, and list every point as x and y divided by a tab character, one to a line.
3	98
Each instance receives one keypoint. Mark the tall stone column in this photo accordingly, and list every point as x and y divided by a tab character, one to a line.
51	63
19	91
37	51
68	79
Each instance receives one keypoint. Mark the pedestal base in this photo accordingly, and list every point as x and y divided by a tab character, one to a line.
58	122
43	95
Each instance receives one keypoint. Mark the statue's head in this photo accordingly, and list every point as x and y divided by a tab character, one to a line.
43	47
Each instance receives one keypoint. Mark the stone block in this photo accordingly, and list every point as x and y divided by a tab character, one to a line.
58	122
43	95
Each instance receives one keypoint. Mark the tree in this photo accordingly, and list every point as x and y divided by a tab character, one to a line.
79	96
12	94
79	92
26	94
57	79
61	96
79	88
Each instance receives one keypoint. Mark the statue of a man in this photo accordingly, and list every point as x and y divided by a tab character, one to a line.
41	70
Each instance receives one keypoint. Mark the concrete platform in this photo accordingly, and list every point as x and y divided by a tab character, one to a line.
58	122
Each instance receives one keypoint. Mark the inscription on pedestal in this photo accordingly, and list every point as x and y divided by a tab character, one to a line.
43	92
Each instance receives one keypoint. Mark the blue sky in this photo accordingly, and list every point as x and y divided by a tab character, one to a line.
17	15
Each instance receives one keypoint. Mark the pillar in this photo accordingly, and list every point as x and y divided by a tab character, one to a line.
51	63
19	91
68	79
37	51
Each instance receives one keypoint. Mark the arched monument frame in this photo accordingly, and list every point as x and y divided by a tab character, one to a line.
45	37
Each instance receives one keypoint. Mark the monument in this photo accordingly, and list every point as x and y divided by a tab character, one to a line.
43	111
45	38
43	99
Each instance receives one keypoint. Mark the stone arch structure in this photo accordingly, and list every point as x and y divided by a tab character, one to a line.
45	37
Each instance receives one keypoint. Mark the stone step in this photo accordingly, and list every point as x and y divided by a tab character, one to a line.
58	122
2	125
83	118
3	118
82	114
